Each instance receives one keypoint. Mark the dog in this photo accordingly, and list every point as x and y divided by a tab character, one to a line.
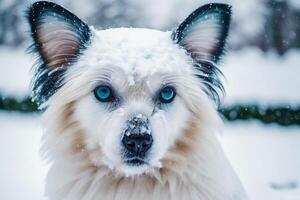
130	113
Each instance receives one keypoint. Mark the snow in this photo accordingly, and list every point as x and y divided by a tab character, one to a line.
254	77
131	48
264	156
15	66
21	170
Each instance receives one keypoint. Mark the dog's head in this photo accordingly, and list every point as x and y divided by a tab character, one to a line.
134	95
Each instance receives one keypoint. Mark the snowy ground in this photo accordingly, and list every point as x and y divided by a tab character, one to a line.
254	77
15	67
21	170
265	157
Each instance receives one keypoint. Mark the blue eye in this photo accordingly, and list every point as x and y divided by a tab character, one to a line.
167	94
104	94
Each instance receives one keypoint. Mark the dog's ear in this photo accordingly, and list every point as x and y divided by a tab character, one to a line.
203	33
58	39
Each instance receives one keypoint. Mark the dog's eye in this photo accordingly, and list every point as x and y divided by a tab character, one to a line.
167	94
104	93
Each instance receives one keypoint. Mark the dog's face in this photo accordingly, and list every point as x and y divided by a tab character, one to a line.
134	105
133	92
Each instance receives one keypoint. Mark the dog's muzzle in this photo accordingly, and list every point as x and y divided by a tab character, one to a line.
137	139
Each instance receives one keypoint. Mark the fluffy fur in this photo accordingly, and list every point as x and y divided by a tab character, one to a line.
82	135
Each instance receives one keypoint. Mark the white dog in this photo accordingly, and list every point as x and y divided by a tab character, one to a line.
130	113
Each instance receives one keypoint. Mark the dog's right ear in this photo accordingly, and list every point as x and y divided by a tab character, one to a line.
58	39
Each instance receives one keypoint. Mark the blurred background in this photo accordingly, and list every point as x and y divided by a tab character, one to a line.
261	110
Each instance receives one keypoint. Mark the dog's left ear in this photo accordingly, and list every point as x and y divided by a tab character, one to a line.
203	34
59	37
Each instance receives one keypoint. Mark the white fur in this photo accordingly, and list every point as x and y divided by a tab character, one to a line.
136	62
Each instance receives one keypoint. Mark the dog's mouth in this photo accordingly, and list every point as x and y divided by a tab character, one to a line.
135	161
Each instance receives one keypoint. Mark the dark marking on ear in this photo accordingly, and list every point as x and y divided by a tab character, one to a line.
58	39
203	35
211	75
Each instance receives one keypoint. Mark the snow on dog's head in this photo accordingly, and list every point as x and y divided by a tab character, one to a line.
130	101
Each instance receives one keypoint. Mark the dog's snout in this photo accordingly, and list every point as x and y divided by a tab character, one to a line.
137	144
137	138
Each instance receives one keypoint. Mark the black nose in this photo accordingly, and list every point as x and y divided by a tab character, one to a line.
137	144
